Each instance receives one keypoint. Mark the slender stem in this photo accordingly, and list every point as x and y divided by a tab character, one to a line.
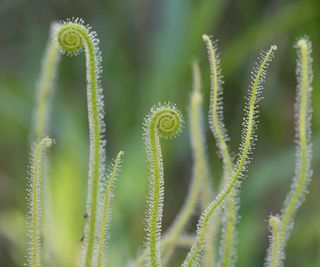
72	36
181	241
163	121
220	133
106	207
275	251
200	176
198	145
41	122
215	114
34	216
45	87
304	151
241	164
96	132
154	225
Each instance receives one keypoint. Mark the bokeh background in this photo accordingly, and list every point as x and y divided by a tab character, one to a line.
147	48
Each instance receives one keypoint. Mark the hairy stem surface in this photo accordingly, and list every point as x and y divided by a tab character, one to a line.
303	170
164	121
220	133
106	210
242	162
275	248
34	215
72	37
200	176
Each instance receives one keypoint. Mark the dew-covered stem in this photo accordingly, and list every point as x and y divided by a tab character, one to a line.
219	131
303	170
200	176
243	159
72	38
303	133
274	253
106	210
163	121
35	196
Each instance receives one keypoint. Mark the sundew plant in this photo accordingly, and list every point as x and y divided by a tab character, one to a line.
165	121
205	228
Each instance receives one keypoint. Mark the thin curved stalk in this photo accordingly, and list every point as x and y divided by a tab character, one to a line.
243	160
41	120
72	38
303	131
45	87
220	133
303	170
35	197
163	121
106	209
200	175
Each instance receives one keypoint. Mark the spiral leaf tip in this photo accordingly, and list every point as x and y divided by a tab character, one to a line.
167	119
70	36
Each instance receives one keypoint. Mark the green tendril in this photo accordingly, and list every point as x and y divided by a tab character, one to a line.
106	210
303	170
220	133
163	121
200	177
35	199
73	37
243	160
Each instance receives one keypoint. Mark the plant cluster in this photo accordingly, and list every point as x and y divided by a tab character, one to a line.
165	122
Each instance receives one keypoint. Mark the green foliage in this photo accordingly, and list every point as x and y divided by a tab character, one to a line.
165	121
71	37
147	49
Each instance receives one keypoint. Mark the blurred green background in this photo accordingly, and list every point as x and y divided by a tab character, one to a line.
147	48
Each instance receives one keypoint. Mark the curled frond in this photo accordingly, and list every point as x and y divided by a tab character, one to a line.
72	36
163	121
34	192
274	252
107	193
246	147
303	170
